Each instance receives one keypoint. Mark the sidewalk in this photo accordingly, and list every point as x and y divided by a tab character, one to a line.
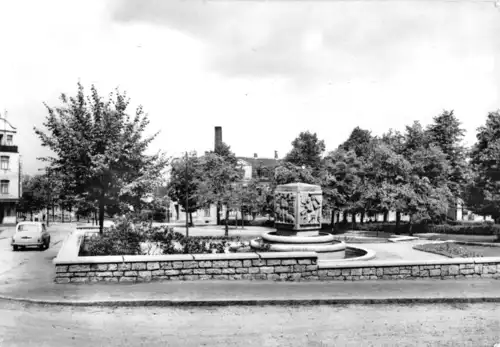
224	293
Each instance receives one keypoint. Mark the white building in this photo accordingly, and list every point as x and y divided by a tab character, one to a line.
10	175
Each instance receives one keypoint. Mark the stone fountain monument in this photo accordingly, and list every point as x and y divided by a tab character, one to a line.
297	219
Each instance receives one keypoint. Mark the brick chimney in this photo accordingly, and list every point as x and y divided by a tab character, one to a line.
218	137
275	154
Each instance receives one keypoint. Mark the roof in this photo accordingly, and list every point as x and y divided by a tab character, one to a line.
264	162
7	122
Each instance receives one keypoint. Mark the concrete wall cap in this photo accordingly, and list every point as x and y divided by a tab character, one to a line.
325	264
106	259
226	256
155	258
483	260
282	255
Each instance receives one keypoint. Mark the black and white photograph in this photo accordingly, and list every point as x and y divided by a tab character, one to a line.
249	173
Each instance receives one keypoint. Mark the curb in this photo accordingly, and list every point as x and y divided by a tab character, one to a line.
256	302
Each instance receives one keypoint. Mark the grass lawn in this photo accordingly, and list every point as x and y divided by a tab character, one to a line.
455	250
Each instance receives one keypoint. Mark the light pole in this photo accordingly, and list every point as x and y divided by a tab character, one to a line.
187	197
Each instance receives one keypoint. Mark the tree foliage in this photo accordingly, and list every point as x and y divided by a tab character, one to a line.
306	151
100	149
186	175
484	193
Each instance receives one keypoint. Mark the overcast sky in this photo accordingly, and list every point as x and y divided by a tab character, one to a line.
263	70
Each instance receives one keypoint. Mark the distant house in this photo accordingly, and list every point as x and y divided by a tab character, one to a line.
10	180
254	167
261	169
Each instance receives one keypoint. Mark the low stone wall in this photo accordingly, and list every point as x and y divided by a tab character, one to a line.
246	266
275	266
457	268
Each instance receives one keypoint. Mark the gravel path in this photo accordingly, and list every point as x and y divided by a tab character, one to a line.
389	325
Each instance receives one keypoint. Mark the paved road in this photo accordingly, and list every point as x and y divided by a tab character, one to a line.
30	263
437	325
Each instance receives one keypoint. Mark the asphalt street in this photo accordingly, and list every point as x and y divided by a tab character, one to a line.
376	325
31	263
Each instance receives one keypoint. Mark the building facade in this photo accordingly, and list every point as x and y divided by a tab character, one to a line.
10	173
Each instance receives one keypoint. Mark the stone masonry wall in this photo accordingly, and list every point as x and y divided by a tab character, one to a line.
246	269
282	269
278	266
436	271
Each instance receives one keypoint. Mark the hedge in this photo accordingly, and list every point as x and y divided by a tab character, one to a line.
486	228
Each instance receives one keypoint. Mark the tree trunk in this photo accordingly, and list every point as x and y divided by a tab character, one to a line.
410	225
386	215
101	215
362	218
53	214
226	227
332	221
398	221
344	217
191	218
62	215
218	214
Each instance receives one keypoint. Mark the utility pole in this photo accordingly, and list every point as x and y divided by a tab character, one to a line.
187	198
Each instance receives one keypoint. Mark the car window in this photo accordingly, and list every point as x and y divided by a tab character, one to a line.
27	228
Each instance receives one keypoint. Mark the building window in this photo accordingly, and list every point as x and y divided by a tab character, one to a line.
207	212
4	162
9	140
4	187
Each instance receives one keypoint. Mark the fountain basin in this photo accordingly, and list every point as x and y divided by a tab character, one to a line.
335	249
273	236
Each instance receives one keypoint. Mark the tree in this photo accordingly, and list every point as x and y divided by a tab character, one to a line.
485	160
100	150
253	198
306	151
358	141
34	197
342	181
218	183
447	134
224	151
185	178
291	173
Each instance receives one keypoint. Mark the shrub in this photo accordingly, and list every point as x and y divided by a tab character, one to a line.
126	239
254	223
113	242
464	229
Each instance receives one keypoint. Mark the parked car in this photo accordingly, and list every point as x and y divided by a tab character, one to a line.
30	234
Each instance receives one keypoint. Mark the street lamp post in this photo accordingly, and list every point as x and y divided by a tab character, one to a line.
187	198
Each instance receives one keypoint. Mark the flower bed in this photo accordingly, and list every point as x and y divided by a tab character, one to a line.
156	240
457	250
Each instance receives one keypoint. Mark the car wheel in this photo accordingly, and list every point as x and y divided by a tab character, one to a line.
47	245
15	248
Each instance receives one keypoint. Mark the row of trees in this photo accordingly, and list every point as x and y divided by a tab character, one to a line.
421	172
215	178
101	164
